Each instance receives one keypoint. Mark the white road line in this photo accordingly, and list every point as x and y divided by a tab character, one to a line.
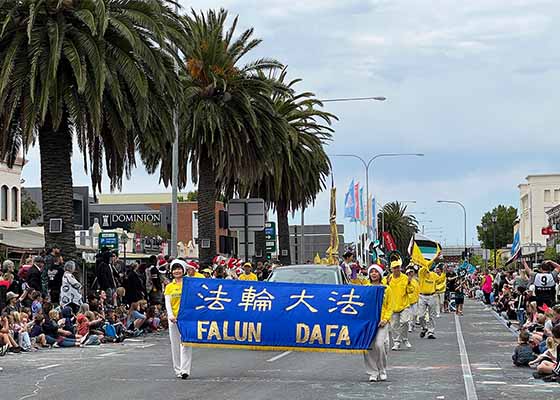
470	388
492	383
279	356
489	368
107	354
49	366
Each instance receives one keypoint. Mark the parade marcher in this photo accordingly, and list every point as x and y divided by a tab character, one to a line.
192	270
346	265
427	281
440	290
401	289
248	274
375	358
413	297
207	272
181	355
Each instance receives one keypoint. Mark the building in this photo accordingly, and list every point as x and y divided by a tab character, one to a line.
537	196
10	194
553	216
80	204
317	239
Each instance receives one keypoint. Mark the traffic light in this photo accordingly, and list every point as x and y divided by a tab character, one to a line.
268	256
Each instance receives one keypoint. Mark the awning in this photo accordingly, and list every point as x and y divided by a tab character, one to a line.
21	238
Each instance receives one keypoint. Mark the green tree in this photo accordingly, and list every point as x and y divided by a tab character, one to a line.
297	173
29	210
477	260
505	219
400	225
550	253
227	118
149	229
99	72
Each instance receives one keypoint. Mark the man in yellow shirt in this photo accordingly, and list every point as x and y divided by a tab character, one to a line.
192	270
413	298
401	290
248	274
440	291
427	281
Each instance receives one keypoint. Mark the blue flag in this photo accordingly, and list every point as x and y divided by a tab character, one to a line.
278	316
350	202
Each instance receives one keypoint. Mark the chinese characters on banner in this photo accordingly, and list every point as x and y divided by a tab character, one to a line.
278	316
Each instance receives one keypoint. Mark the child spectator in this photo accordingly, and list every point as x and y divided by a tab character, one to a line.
37	305
523	353
88	338
548	355
547	368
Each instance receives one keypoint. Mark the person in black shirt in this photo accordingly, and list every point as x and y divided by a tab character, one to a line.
450	284
54	276
34	274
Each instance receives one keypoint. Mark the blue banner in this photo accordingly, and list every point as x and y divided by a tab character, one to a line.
279	316
350	202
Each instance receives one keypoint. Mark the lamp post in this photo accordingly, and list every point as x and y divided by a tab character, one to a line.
494	220
465	215
174	170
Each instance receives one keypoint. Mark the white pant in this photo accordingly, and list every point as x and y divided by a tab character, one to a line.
181	355
413	314
376	357
440	297
399	326
427	303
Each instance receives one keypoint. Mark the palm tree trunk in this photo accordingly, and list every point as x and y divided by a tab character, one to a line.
283	233
55	148
206	208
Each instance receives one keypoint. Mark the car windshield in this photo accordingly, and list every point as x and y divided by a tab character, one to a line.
305	275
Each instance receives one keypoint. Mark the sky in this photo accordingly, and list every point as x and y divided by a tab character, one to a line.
471	84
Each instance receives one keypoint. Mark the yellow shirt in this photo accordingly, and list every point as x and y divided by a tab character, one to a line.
400	290
440	283
415	295
250	277
427	281
174	290
198	275
387	307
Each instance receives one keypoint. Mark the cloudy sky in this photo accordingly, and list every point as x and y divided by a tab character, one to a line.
472	84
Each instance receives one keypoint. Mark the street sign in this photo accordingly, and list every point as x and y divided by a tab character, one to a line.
270	237
246	211
250	245
109	240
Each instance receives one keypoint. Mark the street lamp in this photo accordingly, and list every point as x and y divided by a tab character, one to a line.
174	168
494	220
378	98
465	215
124	240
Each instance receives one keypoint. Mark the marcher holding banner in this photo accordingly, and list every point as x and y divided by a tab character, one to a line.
427	281
181	355
401	289
376	357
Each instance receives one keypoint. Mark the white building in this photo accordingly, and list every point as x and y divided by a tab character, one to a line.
538	195
10	194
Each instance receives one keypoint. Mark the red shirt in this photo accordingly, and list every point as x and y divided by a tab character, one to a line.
5	283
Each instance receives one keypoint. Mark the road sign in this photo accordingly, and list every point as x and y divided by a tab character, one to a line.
109	240
250	245
270	237
248	212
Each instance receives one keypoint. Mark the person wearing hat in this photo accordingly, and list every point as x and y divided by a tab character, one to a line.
11	303
427	281
440	290
375	357
412	297
192	270
181	355
34	274
401	289
207	272
248	274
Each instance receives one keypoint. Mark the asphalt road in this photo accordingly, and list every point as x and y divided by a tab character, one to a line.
140	369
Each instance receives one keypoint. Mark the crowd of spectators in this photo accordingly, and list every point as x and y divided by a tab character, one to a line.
44	305
529	301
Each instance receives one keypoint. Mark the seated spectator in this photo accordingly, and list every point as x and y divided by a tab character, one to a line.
135	319
7	341
21	333
549	367
523	353
120	296
548	355
55	335
88	338
11	303
37	305
36	331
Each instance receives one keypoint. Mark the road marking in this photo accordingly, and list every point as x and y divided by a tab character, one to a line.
489	368
279	356
49	366
107	354
470	389
492	383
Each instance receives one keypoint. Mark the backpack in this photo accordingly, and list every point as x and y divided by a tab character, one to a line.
110	330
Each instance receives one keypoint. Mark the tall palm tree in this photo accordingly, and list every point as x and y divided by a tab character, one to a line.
227	120
99	72
297	173
400	225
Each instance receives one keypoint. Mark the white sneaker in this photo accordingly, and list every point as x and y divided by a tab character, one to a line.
438	316
396	346
383	376
409	328
407	344
373	378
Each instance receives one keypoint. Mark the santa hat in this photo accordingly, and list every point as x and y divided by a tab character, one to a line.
376	267
231	262
192	264
181	263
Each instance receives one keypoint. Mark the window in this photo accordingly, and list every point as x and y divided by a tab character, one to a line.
15	204
547	198
4	203
556	195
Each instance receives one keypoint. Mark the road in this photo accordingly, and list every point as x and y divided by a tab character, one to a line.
140	369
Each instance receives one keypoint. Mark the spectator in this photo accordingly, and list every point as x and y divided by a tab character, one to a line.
135	318
487	287
54	278
70	291
523	353
37	305
34	274
11	303
549	367
104	273
9	267
55	335
134	286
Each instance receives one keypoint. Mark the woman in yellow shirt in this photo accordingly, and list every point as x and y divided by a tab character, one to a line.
376	357
181	355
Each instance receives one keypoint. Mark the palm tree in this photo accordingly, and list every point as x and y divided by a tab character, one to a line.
228	123
299	169
96	71
400	225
